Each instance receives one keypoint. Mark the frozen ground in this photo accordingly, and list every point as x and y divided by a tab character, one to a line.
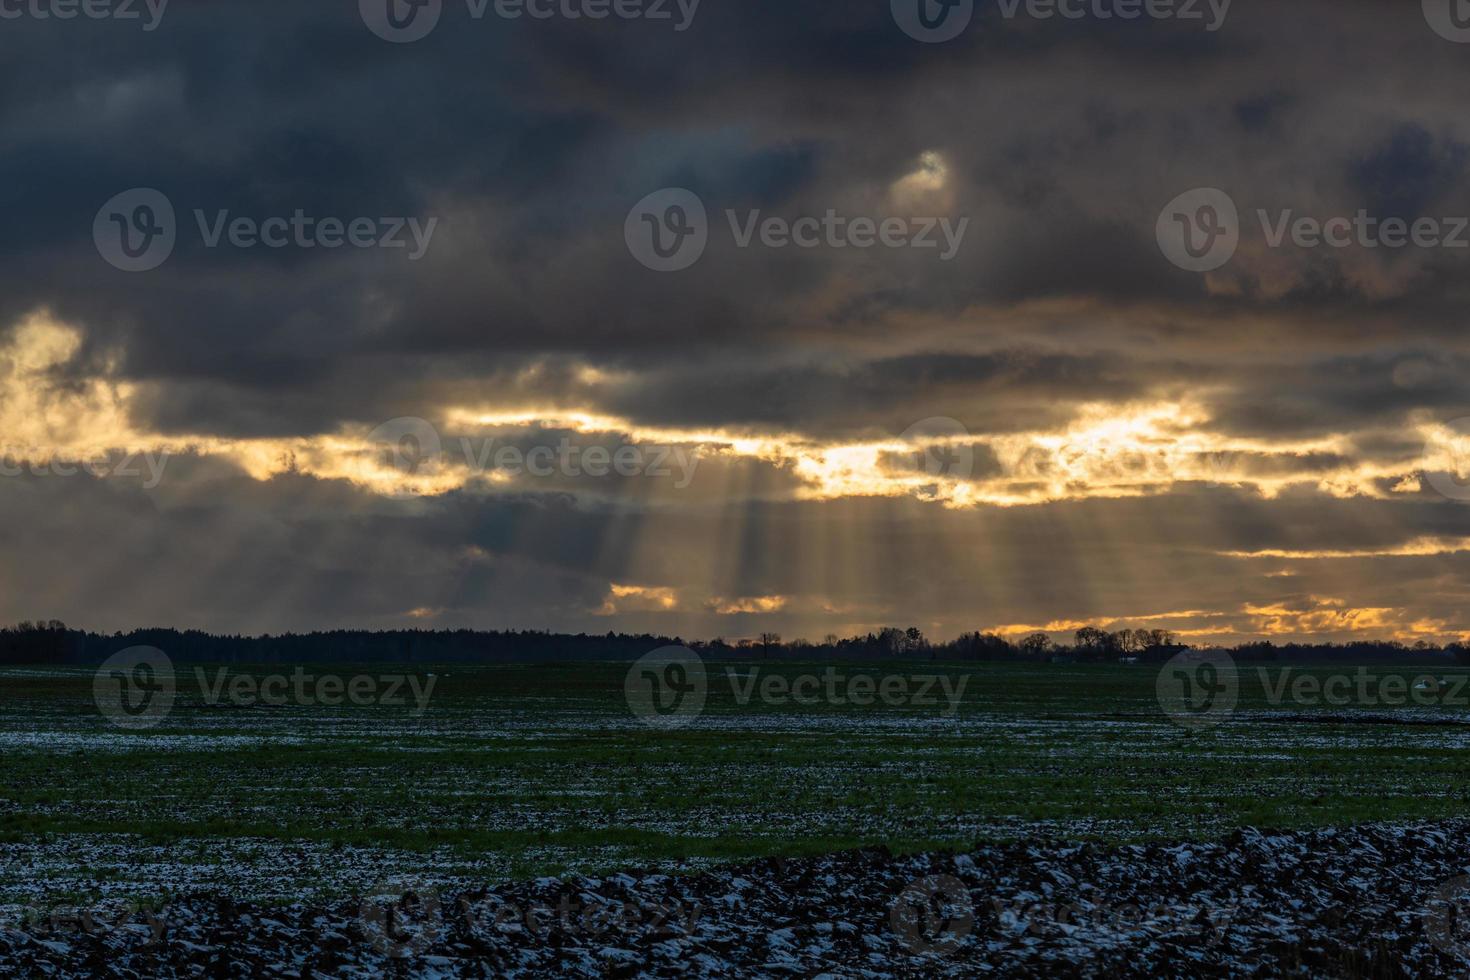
1379	900
515	772
240	842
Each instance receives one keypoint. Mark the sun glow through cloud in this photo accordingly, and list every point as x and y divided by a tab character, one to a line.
1165	445
1106	451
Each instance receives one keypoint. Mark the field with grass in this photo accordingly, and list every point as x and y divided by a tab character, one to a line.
514	772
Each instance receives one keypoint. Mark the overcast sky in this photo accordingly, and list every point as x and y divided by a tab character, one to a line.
362	322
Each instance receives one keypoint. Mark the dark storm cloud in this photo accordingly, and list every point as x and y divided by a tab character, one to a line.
997	391
529	142
1343	394
531	139
1409	171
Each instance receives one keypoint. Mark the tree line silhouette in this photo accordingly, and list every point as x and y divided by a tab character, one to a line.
52	642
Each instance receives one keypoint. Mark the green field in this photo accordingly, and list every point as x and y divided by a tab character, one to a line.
517	771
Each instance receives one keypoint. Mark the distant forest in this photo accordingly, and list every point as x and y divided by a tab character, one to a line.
54	643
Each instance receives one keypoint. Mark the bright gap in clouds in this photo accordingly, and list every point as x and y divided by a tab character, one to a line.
1108	450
